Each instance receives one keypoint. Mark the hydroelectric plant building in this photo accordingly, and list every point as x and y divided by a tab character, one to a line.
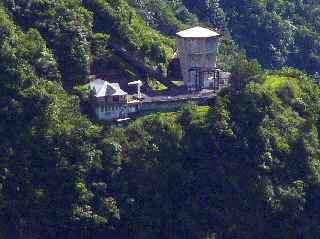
197	50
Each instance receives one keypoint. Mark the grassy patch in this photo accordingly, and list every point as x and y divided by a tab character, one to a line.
276	83
156	85
178	82
198	116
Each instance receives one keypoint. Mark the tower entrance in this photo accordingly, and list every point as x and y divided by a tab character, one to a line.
201	78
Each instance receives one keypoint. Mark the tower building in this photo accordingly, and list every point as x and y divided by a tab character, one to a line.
197	50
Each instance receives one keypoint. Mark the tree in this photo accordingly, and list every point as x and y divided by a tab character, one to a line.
242	72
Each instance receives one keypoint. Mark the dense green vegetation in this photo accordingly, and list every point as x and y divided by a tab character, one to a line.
276	32
247	166
254	164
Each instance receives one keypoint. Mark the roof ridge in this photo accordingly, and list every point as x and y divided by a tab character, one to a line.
197	32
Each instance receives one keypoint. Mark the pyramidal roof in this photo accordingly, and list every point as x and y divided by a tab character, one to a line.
103	88
197	32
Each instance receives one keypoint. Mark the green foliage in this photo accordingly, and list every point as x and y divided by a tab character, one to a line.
83	91
249	163
162	15
126	26
156	85
185	116
67	28
235	169
282	33
209	12
99	46
46	146
259	132
277	33
242	72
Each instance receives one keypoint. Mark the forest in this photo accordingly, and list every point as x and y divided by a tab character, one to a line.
247	166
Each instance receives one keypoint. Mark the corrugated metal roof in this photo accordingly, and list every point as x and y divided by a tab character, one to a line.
104	88
118	90
197	32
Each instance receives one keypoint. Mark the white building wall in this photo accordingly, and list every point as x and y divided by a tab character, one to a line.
111	112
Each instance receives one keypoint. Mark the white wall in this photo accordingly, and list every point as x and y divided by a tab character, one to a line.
111	112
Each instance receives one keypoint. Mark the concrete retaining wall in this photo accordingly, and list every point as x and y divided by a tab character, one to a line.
169	105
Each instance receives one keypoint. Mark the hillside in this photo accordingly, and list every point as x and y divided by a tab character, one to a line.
276	32
247	166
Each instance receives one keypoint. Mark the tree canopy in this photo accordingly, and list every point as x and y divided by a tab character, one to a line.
247	166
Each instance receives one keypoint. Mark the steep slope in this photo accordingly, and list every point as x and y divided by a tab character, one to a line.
248	163
277	33
246	167
72	43
46	145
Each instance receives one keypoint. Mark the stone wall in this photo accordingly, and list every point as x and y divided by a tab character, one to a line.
158	106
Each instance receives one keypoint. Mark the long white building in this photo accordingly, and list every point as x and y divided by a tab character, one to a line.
111	102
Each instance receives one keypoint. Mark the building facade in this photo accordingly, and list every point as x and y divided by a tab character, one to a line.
111	102
197	50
